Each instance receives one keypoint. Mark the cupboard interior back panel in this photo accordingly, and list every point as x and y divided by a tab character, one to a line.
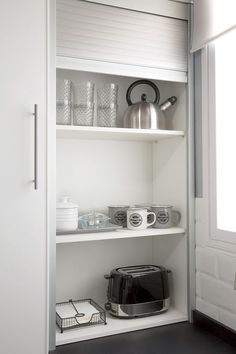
96	174
81	267
171	252
175	116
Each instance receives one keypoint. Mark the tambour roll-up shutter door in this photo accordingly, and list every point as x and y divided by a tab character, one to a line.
103	33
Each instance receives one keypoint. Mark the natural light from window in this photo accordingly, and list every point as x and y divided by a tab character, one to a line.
225	104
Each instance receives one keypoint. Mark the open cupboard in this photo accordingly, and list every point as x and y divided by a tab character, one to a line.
98	167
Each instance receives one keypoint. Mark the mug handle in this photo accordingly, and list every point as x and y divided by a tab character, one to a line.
176	217
154	218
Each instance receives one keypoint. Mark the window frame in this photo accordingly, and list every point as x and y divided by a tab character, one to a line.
226	238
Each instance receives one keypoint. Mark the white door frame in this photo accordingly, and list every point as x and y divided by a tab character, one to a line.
51	169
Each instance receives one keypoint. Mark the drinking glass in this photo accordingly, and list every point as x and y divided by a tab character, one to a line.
83	104
107	107
107	115
64	102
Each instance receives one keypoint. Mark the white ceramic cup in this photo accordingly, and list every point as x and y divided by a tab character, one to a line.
137	218
148	207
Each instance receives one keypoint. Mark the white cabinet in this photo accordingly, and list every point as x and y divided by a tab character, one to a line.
98	166
23	209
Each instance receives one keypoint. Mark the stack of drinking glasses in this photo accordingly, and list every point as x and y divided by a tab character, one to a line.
64	102
79	103
107	107
83	103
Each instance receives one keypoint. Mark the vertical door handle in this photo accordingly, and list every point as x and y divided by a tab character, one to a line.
35	114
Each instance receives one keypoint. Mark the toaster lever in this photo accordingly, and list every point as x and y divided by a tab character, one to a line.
108	306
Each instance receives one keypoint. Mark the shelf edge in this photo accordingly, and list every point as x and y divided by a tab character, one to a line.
114	235
145	323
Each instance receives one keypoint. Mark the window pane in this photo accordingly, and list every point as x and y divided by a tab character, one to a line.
225	83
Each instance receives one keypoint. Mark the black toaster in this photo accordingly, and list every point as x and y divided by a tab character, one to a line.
138	291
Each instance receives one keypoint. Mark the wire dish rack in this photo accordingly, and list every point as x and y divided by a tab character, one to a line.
79	313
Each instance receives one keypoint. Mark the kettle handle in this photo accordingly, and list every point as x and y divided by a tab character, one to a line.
140	82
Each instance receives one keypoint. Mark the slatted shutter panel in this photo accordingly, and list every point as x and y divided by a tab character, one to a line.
102	33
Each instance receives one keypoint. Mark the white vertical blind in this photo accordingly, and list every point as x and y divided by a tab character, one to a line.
225	127
211	18
102	33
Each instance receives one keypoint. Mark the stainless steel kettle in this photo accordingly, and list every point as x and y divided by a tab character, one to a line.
143	114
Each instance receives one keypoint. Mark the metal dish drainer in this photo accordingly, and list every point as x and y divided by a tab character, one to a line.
65	323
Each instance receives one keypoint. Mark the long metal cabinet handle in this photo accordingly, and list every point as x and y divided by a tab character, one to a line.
35	114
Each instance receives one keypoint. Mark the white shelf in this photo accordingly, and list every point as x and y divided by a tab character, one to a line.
100	133
116	326
118	234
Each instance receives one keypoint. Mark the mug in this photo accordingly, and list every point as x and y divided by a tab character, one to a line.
118	215
148	207
137	218
165	216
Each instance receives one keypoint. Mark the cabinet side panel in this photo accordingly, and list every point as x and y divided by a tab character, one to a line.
170	187
23	209
170	252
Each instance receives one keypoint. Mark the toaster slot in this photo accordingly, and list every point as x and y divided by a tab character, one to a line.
139	270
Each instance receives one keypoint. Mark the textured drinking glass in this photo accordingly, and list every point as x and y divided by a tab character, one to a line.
64	112
64	102
107	107
107	94
64	90
84	93
83	114
83	104
106	115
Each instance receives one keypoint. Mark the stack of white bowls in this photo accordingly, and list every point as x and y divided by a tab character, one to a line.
67	215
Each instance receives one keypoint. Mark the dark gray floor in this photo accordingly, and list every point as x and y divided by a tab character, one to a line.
182	338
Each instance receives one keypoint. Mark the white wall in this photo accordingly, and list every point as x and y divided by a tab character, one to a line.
215	275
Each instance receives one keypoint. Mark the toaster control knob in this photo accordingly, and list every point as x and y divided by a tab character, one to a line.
108	306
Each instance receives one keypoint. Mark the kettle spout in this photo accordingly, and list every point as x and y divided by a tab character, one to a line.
168	103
